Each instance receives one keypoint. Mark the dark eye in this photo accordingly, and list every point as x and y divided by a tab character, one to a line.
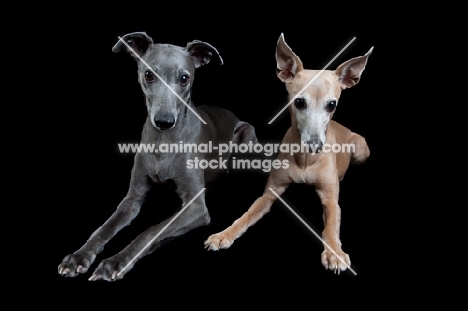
330	107
149	76
184	80
300	103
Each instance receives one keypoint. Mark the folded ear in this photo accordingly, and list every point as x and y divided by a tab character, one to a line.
288	64
349	73
137	41
202	53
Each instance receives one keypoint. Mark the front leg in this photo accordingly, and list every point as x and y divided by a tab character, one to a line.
279	182
333	258
193	214
80	261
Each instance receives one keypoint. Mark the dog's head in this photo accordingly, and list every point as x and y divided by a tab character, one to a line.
166	73
314	93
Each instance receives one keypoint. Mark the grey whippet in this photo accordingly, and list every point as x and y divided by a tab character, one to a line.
311	116
171	118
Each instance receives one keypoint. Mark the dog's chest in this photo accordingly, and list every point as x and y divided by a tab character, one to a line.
305	169
304	175
161	168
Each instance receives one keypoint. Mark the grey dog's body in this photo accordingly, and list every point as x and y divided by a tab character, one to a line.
171	119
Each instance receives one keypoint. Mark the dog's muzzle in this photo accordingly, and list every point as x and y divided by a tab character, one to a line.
164	122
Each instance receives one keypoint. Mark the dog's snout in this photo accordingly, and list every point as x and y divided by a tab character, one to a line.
316	145
164	122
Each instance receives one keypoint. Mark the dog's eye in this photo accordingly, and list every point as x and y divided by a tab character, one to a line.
149	75
300	103
330	107
184	80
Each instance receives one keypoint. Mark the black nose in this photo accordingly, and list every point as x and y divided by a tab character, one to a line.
164	123
315	145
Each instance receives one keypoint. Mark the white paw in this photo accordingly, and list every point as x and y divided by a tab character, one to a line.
335	261
218	241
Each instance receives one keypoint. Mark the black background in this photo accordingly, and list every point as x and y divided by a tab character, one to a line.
94	102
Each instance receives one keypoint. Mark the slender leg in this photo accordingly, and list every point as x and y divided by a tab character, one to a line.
193	214
80	261
257	210
333	258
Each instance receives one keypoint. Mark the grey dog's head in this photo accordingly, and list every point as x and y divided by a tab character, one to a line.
166	73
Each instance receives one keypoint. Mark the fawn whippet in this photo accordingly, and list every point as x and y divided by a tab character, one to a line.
166	85
312	125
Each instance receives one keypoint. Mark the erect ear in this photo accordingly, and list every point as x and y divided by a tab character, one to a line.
202	53
350	71
137	41
288	64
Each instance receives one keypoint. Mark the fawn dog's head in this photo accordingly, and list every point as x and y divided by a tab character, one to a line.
313	108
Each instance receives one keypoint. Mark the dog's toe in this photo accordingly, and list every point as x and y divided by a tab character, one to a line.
213	247
95	277
212	243
81	269
64	271
225	243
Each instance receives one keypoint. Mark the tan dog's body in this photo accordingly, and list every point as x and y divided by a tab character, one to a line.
323	170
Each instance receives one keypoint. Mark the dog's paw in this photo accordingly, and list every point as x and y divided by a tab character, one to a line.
218	241
111	269
75	264
336	261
